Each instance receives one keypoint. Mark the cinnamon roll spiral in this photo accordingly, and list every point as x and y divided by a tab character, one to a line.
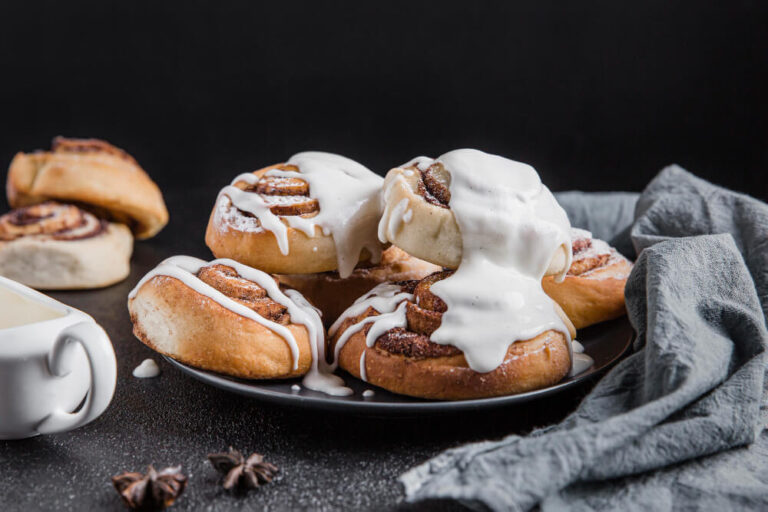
593	289
89	172
384	339
50	220
226	317
60	246
418	218
315	213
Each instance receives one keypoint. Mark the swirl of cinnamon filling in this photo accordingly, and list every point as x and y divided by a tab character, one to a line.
424	313
433	184
50	220
226	280
285	196
588	253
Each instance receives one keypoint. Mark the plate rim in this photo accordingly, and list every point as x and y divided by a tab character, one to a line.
426	406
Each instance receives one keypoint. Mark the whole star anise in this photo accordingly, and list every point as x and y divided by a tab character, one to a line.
249	473
153	491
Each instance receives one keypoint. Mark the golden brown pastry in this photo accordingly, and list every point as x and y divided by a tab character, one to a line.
593	289
418	217
226	317
332	294
317	212
404	360
89	172
53	246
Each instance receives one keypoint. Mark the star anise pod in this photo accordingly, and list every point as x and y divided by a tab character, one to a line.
153	491
249	473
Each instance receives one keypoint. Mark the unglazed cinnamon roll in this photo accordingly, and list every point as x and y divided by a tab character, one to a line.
593	288
317	212
229	318
385	339
89	172
332	294
55	246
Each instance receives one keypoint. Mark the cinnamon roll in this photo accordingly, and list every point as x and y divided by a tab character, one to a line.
317	212
56	246
593	288
332	294
89	172
385	338
486	328
229	318
418	216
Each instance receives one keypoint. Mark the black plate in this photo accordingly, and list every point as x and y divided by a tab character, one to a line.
605	343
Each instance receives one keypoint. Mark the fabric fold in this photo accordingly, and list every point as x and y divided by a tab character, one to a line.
693	386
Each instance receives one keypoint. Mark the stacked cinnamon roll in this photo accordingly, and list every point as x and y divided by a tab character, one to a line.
77	210
453	278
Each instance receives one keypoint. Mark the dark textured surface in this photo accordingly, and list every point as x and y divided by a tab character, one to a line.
328	461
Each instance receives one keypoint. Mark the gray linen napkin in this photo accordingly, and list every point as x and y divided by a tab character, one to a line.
677	425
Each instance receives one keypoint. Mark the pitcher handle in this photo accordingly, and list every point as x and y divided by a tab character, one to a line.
103	367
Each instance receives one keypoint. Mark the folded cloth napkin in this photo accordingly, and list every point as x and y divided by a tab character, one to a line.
678	424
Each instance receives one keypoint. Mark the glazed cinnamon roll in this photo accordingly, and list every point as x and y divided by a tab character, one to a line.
229	318
593	288
317	212
56	246
418	216
89	172
385	339
332	294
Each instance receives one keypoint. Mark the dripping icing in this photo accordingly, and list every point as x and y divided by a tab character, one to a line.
348	198
185	268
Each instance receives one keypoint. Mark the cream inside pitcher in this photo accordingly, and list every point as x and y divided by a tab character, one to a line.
57	365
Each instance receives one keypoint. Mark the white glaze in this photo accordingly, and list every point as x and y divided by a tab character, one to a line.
511	227
349	207
185	268
577	347
295	388
580	364
147	369
384	298
363	371
368	393
17	310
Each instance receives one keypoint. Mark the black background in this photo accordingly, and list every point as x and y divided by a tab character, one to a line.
596	95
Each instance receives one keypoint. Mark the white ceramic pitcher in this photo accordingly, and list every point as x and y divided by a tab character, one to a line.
52	359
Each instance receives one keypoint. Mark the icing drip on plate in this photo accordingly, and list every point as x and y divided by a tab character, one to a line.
319	377
348	198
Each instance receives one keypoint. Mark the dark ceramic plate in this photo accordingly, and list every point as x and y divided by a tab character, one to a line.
605	343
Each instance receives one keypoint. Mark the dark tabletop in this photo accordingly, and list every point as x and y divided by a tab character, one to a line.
327	461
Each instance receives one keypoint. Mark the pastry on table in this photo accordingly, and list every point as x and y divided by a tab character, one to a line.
89	172
60	246
317	212
593	289
486	328
332	294
397	354
233	319
76	211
